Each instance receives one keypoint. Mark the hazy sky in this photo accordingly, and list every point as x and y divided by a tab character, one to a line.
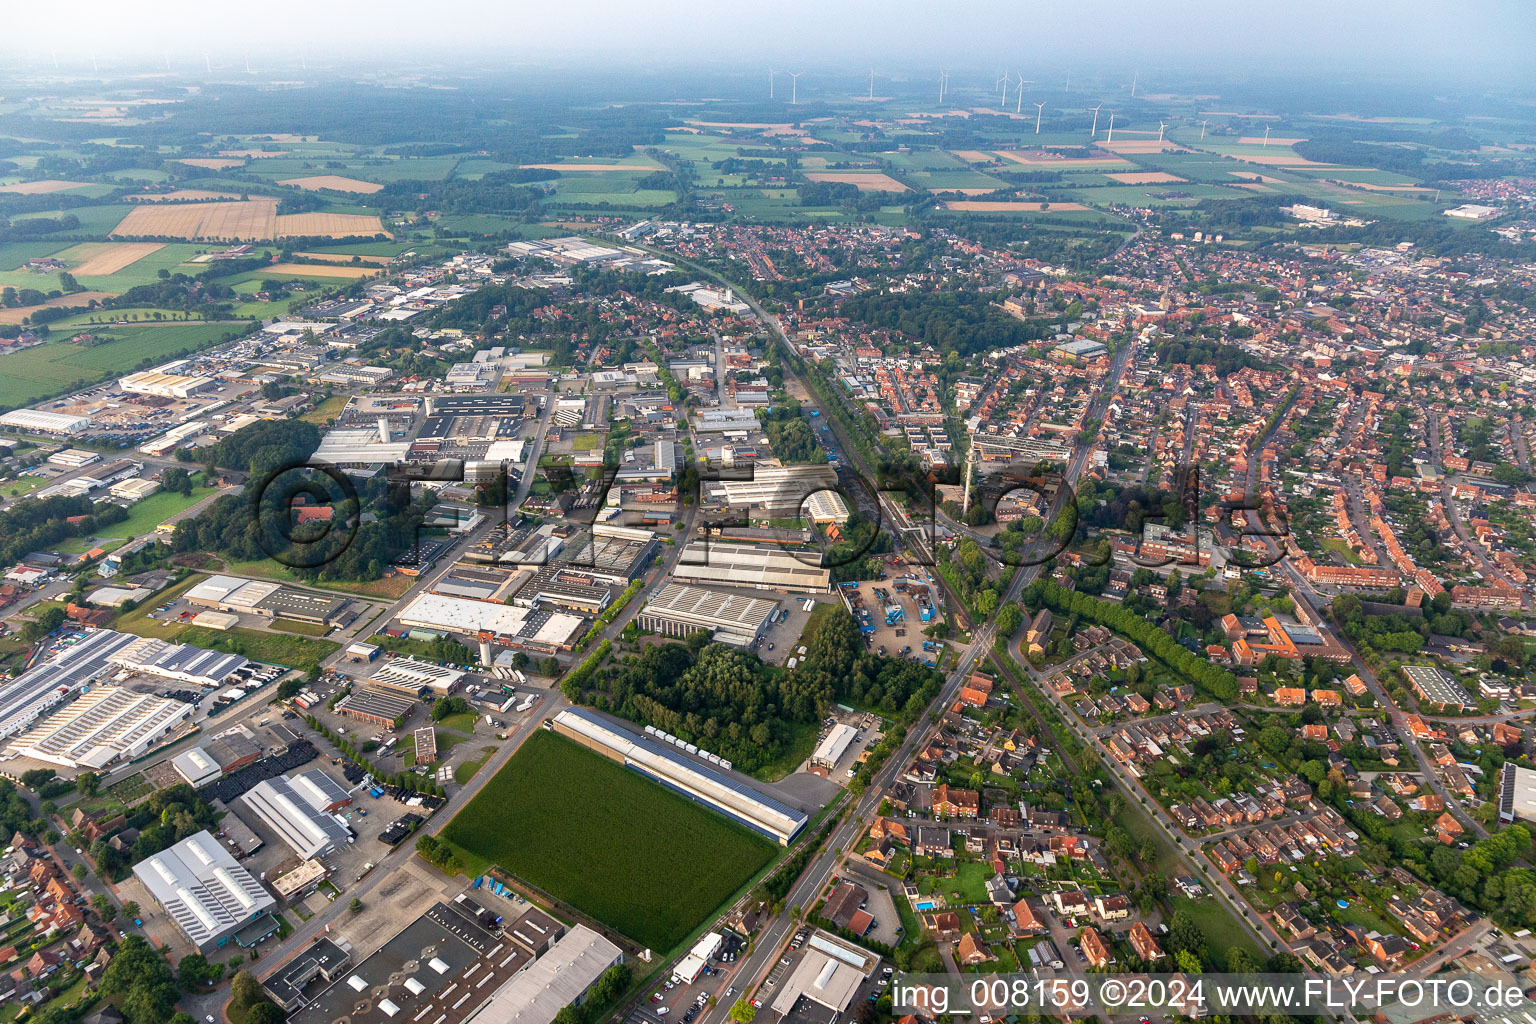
1444	37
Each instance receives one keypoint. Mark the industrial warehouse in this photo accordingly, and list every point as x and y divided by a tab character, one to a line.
229	751
181	662
513	625
30	695
412	677
774	492
679	610
212	899
165	382
767	566
299	810
829	974
381	707
674	769
522	971
260	597
106	725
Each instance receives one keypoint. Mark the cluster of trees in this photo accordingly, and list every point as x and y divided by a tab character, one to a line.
253	524
497	192
790	433
710	694
965	322
1211	678
856	555
33	525
449	706
1395	631
34	227
260	448
965	569
144	979
726	701
165	819
836	658
438	853
177	479
16	812
245	994
45	782
841	194
1227	359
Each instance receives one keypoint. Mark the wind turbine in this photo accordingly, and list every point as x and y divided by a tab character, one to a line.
208	63
770	83
1266	135
1202	130
1069	81
248	65
167	60
794	86
1111	137
943	83
871	83
95	66
1093	132
1039	109
1018	104
1160	127
1006	76
1134	75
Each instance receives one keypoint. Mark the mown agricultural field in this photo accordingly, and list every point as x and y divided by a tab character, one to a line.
625	850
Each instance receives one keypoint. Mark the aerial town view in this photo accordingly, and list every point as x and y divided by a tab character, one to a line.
712	514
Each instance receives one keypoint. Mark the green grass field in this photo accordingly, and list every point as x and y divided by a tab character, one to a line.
625	850
144	516
55	367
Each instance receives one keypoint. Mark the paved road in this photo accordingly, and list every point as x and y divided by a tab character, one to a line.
1188	849
274	957
1303	591
804	892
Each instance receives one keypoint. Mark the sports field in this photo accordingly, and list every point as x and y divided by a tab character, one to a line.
636	856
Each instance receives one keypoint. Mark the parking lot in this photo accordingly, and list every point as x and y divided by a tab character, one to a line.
678	1002
867	735
807	1010
780	639
890	615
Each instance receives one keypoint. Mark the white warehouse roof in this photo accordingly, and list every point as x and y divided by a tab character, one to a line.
295	809
203	890
103	726
709	786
